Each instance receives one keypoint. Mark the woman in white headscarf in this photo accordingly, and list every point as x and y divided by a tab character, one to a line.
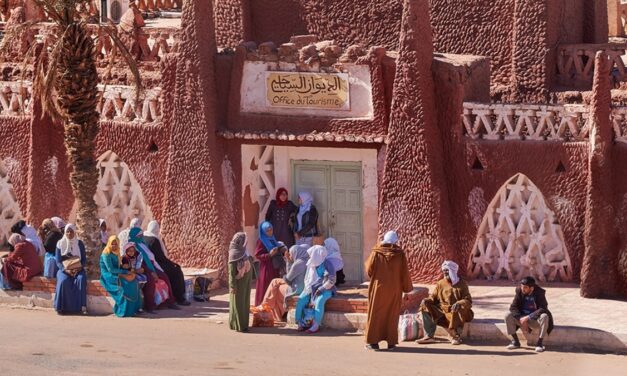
335	256
71	290
154	242
306	223
29	232
124	235
104	234
319	287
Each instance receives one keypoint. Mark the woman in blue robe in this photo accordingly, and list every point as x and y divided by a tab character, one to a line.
71	291
125	293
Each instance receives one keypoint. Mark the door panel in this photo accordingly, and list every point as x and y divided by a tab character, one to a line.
313	179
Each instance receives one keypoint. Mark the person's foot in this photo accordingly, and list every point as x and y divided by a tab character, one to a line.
372	346
456	340
391	347
184	303
151	311
314	328
173	306
84	310
426	339
539	348
513	345
301	326
245	330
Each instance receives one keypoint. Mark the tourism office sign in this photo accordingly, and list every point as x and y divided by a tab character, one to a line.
321	91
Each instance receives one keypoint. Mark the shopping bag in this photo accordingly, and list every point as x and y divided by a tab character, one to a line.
262	316
409	327
161	292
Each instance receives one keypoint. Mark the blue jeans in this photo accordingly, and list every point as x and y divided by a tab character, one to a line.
319	302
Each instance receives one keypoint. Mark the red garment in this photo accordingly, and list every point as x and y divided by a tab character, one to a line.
266	272
280	203
22	264
149	290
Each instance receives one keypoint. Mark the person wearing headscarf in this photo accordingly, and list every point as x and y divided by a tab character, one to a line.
292	283
124	235
125	293
154	271
50	234
152	238
133	261
389	279
269	252
448	306
21	264
280	214
59	222
319	287
104	234
240	276
306	221
71	290
335	256
29	232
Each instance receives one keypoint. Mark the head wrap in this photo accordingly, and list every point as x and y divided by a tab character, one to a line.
237	248
528	281
154	230
59	223
269	242
136	236
305	205
334	255
110	249
280	203
452	268
18	226
317	255
15	239
69	247
135	222
390	237
104	235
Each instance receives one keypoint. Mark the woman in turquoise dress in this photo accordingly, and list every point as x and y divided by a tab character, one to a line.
124	292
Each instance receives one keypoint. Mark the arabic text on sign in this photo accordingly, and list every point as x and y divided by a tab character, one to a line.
309	90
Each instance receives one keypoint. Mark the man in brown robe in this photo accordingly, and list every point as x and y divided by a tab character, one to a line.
389	279
449	306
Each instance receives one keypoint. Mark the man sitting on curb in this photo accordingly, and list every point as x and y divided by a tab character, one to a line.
529	310
449	306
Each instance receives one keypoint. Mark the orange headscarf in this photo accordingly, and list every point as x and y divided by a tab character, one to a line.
111	249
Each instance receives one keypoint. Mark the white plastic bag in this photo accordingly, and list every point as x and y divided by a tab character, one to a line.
409	327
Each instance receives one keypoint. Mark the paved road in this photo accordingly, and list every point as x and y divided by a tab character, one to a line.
38	342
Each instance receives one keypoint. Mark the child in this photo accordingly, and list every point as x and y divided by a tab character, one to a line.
132	260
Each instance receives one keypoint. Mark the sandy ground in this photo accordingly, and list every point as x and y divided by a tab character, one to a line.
41	342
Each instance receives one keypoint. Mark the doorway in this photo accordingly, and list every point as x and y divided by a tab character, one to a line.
337	191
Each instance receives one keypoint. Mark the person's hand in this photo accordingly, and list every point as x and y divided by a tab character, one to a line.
125	266
455	307
524	323
140	270
423	303
274	252
233	290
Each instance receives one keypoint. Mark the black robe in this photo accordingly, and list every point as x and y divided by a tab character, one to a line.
170	268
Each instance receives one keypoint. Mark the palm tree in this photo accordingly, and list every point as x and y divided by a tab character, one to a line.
66	84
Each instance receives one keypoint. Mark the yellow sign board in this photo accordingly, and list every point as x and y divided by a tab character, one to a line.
329	91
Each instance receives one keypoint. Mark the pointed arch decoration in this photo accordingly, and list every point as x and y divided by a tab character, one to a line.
518	236
9	208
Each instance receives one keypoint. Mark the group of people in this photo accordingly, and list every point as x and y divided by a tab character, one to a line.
293	261
134	266
449	304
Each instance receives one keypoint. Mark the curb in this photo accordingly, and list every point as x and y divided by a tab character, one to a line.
562	337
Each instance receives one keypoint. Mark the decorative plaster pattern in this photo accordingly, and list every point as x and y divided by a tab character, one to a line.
9	208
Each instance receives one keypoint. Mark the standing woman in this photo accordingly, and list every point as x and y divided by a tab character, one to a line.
268	252
50	234
306	220
240	276
152	238
279	214
71	291
119	283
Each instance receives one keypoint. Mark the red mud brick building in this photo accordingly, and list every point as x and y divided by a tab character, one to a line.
493	133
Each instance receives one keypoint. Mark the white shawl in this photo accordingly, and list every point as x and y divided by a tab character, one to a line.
69	247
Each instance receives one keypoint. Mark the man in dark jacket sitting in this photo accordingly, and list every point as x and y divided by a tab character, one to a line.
529	310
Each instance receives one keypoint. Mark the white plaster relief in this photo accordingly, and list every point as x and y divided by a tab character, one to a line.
570	122
520	236
619	124
15	98
9	208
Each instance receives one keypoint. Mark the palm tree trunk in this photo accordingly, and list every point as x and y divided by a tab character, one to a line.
77	92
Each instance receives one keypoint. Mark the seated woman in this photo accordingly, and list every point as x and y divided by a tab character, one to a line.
333	247
133	261
154	272
29	232
292	283
319	287
71	291
118	282
50	234
153	240
21	264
